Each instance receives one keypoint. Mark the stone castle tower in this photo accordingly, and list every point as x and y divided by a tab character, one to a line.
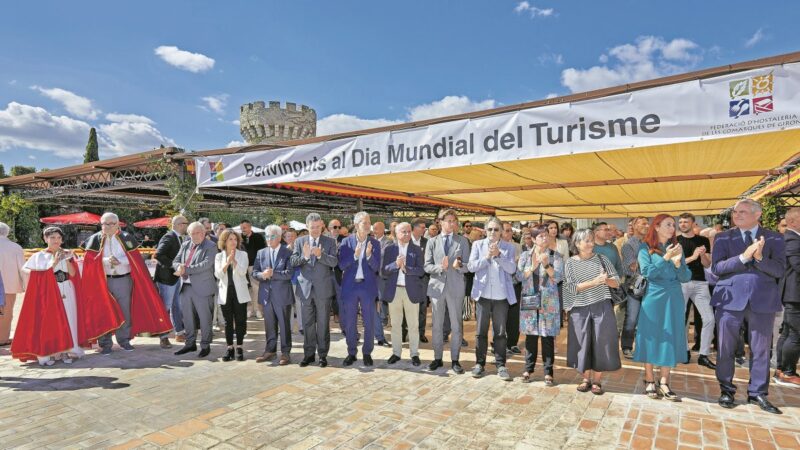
261	125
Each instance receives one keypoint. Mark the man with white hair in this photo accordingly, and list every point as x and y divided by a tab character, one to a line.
114	268
11	261
168	284
194	264
316	256
360	260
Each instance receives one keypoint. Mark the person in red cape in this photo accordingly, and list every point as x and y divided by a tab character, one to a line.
48	323
116	269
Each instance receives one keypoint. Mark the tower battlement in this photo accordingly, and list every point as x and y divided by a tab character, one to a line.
260	123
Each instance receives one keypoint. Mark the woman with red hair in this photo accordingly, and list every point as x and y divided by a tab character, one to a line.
661	330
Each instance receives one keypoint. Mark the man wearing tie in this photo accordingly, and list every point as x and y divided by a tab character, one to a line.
194	264
167	283
315	255
749	260
446	258
403	271
273	271
360	260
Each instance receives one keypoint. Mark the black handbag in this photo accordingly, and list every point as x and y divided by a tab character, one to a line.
618	294
532	302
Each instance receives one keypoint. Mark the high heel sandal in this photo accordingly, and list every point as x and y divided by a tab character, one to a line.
667	393
597	389
239	354
650	390
228	355
584	386
526	377
548	381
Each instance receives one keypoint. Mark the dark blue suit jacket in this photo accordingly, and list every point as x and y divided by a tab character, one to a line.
755	283
277	289
349	266
415	273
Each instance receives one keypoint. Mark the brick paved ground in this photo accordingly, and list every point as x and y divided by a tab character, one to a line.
150	399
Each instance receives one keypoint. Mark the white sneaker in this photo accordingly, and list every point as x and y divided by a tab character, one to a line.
67	360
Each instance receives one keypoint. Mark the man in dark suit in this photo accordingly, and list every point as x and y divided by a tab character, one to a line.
749	260
316	256
360	260
194	263
273	271
418	238
403	271
168	284
788	347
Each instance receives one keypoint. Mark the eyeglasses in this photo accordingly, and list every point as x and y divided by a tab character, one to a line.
108	224
336	227
182	223
493	229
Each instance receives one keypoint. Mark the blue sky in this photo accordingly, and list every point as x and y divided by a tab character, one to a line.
147	72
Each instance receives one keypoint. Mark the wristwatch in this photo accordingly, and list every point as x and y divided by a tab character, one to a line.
548	266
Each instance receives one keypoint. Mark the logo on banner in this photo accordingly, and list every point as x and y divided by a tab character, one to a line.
216	171
750	95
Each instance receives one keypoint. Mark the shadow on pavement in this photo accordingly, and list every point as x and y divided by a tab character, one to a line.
60	384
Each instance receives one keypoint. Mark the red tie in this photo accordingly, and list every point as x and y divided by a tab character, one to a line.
191	254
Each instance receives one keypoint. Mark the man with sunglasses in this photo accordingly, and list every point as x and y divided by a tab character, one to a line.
492	261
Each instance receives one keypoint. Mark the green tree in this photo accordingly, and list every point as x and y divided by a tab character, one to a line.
22	170
773	208
3	172
23	218
92	153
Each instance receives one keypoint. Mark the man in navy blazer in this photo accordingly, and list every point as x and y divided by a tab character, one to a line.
749	261
404	289
360	260
273	270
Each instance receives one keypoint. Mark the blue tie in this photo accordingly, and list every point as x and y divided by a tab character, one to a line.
447	245
748	238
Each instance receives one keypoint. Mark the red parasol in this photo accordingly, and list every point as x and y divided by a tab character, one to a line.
81	218
161	222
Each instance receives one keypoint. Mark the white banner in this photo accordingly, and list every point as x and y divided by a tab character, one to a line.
750	102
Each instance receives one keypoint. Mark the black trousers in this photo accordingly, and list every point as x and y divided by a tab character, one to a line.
497	311
512	321
235	314
532	352
788	346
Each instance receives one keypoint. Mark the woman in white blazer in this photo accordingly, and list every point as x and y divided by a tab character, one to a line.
230	268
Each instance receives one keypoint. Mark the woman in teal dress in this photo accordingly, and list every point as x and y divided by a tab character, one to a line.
540	270
661	329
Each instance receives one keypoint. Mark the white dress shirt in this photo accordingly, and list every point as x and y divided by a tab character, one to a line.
113	247
359	257
401	276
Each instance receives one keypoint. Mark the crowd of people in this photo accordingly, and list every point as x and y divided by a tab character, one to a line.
620	295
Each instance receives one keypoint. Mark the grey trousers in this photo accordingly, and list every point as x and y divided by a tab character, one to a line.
120	288
316	325
455	307
197	306
278	319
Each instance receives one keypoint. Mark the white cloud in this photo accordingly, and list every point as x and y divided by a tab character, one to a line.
74	104
757	37
340	123
33	127
193	62
236	144
551	95
533	10
551	58
448	106
216	103
12	82
649	57
32	157
115	117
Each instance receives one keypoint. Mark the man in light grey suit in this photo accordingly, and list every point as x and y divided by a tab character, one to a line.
195	265
316	256
446	257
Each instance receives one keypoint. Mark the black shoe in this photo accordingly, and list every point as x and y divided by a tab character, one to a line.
349	360
229	355
393	359
367	360
740	361
323	361
204	352
688	357
423	339
415	361
306	361
764	404
186	349
703	360
696	348
457	368
726	400
446	339
515	350
435	364
384	344
464	342
239	354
